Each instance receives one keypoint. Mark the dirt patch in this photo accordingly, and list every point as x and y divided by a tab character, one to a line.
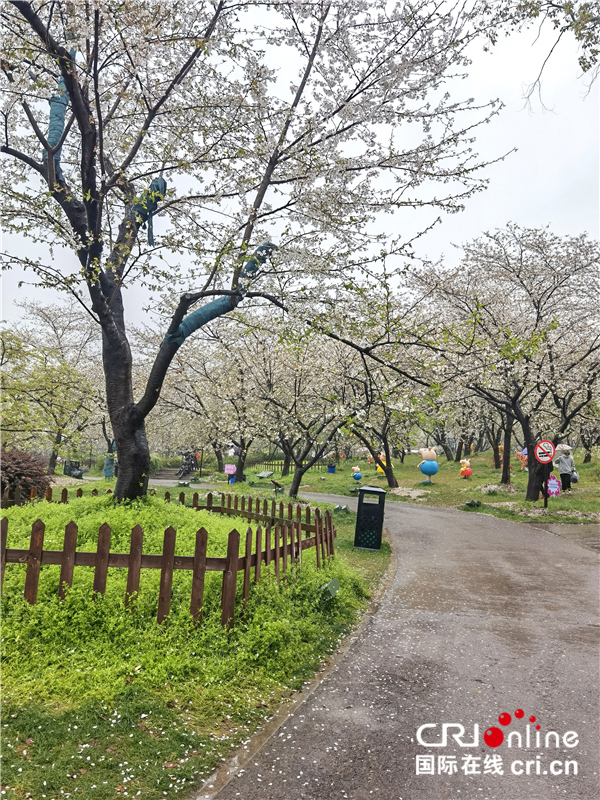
65	480
493	488
509	504
414	494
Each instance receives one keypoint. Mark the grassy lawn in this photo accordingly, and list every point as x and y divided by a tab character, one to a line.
449	490
99	702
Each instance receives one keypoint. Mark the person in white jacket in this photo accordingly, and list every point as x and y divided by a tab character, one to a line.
565	466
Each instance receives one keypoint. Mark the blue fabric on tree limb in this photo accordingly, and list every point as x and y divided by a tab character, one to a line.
222	305
259	257
147	205
56	123
198	318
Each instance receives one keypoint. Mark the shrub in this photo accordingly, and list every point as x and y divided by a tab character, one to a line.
21	469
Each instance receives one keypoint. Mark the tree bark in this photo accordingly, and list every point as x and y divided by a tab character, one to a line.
299	473
388	469
534	482
219	456
244	446
54	453
127	423
587	457
459	448
506	455
287	463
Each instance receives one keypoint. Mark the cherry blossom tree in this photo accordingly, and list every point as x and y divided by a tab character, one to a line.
231	122
522	329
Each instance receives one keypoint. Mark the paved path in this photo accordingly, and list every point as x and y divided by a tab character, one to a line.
482	617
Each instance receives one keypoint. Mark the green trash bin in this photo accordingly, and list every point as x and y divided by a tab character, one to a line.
369	519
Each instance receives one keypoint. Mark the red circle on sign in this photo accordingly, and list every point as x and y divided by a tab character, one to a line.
544	451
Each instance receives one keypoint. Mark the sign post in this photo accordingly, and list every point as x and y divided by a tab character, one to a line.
544	452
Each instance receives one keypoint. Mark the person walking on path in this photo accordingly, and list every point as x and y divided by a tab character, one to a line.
566	467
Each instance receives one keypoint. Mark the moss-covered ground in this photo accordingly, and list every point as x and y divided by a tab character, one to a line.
100	702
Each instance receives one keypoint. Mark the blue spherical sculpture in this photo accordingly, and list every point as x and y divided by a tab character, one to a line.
357	476
429	467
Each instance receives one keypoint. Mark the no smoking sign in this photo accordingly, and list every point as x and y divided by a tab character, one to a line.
544	451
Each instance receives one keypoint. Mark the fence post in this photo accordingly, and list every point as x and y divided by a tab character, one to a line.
318	538
64	495
209	501
34	561
230	579
198	574
33	493
102	559
292	534
18	496
68	559
195	500
277	533
49	494
247	565
258	554
166	574
182	498
94	493
284	535
167	497
134	566
79	492
235	502
243	502
267	544
4	529
298	530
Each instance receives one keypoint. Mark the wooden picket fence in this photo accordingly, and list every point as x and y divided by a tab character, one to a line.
285	540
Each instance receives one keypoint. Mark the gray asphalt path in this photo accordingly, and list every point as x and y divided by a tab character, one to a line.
482	617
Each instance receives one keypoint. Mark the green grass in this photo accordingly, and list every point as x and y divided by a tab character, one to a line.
99	702
449	490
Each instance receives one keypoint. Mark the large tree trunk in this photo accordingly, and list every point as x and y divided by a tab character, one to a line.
534	482
480	442
439	434
507	445
241	461
299	473
459	448
127	424
287	463
388	469
54	453
219	456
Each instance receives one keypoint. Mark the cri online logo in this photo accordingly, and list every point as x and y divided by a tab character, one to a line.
494	736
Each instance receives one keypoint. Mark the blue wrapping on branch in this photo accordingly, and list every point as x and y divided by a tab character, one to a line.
198	318
222	305
56	123
147	205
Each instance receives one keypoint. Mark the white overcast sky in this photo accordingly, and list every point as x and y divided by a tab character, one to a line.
552	179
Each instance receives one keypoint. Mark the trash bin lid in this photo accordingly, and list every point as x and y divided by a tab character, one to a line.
372	490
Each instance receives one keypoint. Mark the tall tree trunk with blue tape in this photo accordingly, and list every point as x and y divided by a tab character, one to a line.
128	417
82	203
